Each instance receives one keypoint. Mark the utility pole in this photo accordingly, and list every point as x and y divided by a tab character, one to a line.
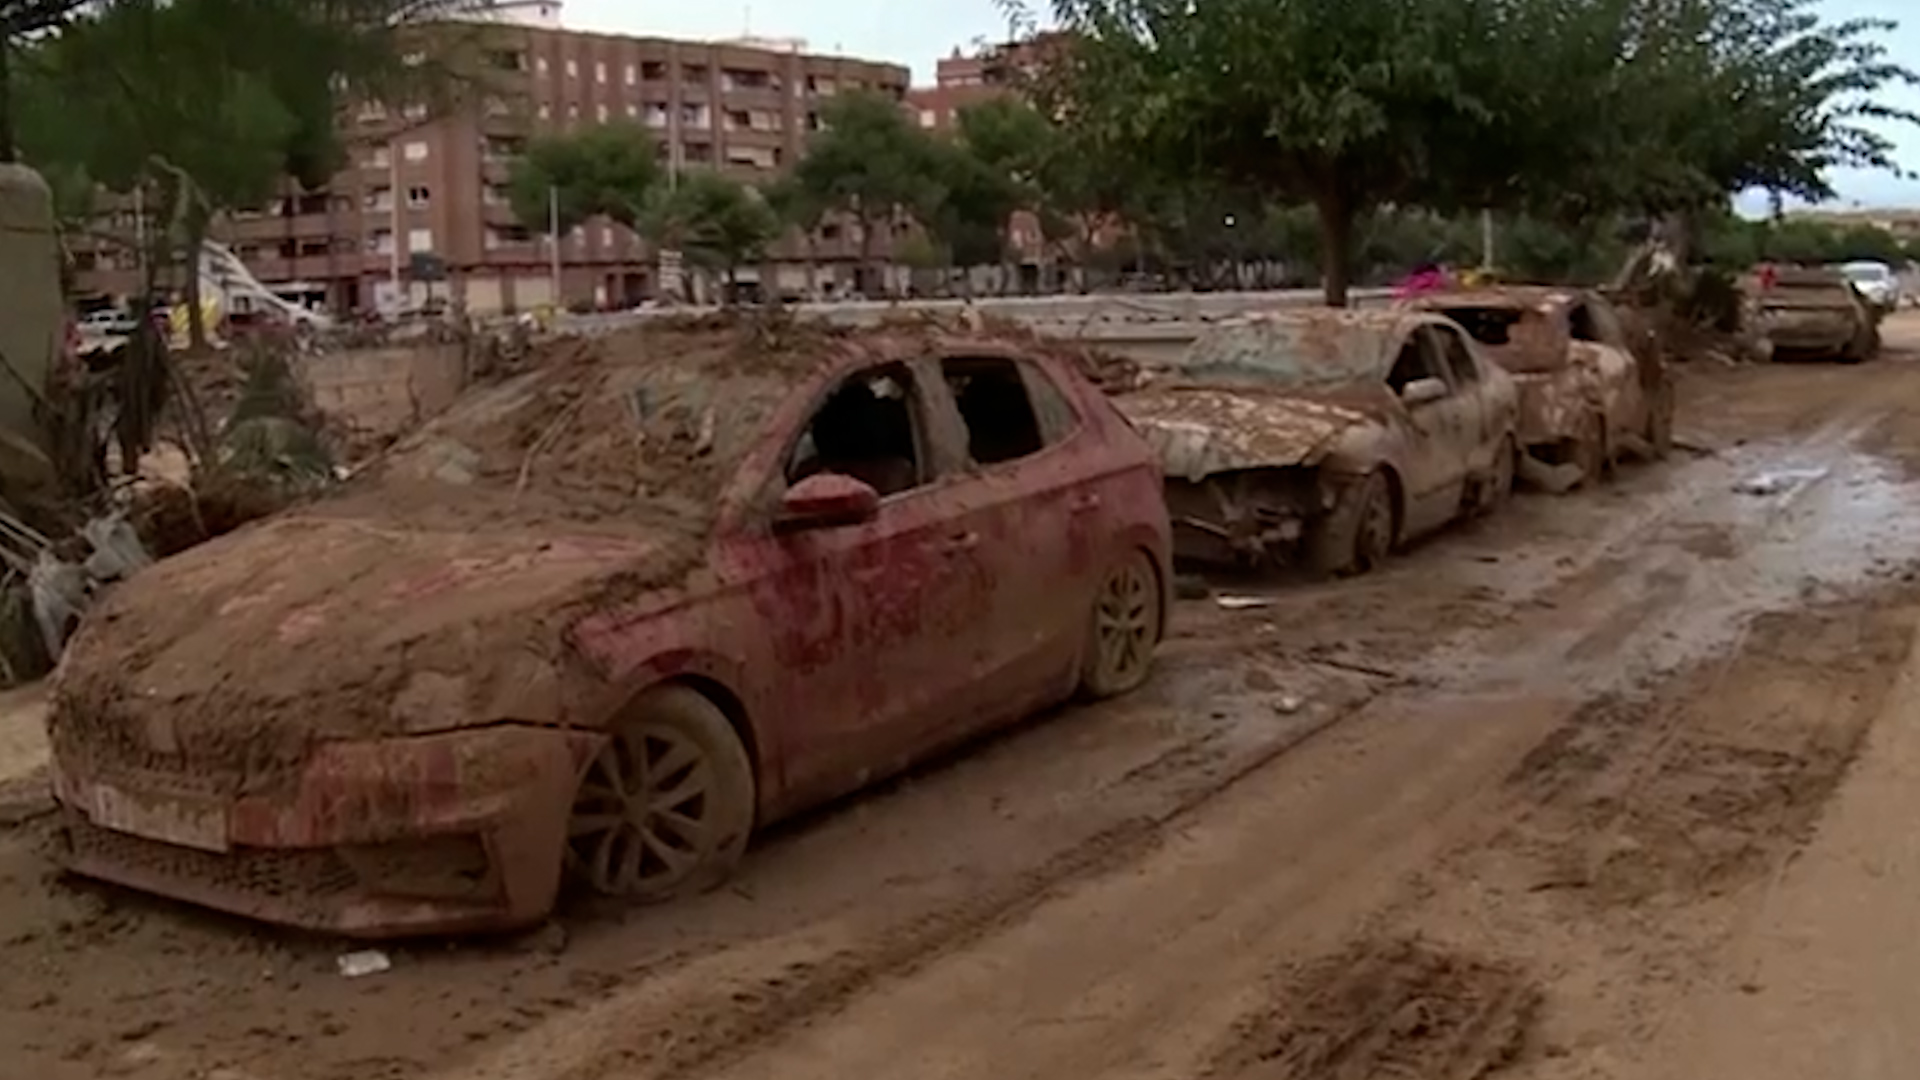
1486	239
394	222
553	233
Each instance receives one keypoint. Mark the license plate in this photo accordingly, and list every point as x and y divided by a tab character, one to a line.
188	822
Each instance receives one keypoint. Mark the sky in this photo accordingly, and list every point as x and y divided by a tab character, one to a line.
918	36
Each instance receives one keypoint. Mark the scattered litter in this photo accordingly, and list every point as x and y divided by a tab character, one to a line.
367	962
1773	483
1242	603
1289	705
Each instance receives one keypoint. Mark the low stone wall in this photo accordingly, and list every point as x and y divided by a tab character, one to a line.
386	390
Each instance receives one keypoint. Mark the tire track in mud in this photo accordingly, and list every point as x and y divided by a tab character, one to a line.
1385	1008
709	1029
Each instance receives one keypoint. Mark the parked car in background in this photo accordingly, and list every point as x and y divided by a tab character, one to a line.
1585	397
1811	312
610	616
1326	438
1876	282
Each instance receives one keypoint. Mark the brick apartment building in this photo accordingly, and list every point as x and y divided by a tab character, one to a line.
438	187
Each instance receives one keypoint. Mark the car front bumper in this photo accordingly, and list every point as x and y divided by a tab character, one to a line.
453	832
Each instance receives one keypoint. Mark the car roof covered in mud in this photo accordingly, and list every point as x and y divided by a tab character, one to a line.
642	426
1321	348
1539	298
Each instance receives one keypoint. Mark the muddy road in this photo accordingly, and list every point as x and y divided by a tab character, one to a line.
1525	801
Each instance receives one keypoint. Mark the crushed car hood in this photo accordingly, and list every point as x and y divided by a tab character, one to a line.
1201	431
232	658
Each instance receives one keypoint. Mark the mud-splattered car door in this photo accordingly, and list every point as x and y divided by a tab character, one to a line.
1441	425
1464	370
1035	486
871	620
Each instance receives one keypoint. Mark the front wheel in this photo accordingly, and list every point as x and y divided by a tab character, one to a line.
1123	629
1588	450
666	806
1357	535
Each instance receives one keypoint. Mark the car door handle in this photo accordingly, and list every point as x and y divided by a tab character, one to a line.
1084	504
958	543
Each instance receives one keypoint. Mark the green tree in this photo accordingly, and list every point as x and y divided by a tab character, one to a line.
869	162
718	222
1340	106
610	170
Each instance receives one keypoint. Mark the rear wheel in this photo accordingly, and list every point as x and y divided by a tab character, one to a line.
1588	450
1123	628
1499	485
666	806
1357	535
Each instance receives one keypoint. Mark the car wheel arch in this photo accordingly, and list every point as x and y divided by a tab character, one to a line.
730	704
1397	494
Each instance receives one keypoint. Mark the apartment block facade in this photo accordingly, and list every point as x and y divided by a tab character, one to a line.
427	196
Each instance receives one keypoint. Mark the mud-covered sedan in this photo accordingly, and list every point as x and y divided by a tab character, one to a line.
607	617
1326	437
1814	313
1585	397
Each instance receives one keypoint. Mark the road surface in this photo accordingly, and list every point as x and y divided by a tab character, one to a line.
1613	784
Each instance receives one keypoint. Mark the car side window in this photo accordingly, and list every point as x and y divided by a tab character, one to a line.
1459	358
870	428
1417	360
1581	325
1002	423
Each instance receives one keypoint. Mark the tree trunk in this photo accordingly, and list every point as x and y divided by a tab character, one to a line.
8	155
1336	246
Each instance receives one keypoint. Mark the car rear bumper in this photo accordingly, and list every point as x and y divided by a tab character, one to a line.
429	834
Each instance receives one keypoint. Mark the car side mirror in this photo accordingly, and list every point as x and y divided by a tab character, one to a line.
1422	391
827	501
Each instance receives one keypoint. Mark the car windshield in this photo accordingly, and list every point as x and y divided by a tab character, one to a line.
642	427
1303	353
1867	273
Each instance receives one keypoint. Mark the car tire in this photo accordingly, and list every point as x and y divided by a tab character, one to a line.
1659	433
1123	628
1358	534
1588	450
666	806
1499	486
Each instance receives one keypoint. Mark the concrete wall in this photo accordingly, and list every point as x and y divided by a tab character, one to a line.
385	391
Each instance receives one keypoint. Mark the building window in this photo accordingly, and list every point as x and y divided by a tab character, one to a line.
656	115
494	195
606	236
418	198
420	240
653	70
380	199
415	111
546	111
415	151
632	74
695	73
540	65
573	69
633	110
380	242
573	112
372	112
599	72
600	112
380	158
929	118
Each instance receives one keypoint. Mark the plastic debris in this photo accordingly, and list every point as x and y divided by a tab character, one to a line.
353	965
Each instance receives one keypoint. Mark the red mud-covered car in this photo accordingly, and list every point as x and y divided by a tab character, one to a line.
607	617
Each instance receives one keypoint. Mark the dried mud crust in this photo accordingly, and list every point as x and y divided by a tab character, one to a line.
1711	782
1399	1008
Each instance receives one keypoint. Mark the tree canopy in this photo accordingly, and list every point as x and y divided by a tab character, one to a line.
1571	108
